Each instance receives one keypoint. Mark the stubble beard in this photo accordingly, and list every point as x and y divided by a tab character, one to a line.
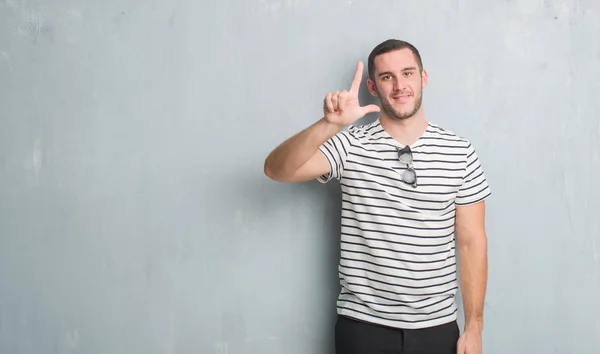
392	113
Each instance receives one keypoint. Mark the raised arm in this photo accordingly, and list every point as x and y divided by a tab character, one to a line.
298	158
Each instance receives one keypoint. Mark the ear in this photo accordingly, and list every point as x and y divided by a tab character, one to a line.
372	87
424	78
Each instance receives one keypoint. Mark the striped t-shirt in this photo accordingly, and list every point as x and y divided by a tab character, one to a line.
397	265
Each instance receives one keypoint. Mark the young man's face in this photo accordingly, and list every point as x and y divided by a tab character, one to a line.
398	83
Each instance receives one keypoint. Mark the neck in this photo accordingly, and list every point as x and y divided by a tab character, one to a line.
405	131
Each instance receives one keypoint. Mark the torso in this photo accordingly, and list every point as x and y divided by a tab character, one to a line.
398	265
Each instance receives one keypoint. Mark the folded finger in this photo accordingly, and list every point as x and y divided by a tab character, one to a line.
335	100
327	103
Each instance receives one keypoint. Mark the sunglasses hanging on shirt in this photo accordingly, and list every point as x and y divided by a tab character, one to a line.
409	176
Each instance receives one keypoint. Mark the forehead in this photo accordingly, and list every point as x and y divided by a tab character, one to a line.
395	60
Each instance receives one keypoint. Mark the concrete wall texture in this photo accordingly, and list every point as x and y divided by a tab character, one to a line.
134	213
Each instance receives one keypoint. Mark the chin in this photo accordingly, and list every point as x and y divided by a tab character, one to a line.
404	110
399	115
400	111
404	114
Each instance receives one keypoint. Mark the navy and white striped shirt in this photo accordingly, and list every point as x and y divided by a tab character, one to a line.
398	265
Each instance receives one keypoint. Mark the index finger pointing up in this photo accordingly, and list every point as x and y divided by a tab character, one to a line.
357	78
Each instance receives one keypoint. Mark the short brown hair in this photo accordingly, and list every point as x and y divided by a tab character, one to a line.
389	46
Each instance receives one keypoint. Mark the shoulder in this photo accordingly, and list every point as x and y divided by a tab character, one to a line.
456	145
447	138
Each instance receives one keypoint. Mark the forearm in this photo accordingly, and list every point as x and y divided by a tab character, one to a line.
473	280
293	153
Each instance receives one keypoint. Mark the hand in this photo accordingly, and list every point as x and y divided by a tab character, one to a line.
342	108
469	342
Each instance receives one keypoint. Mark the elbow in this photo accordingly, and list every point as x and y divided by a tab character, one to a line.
476	243
268	171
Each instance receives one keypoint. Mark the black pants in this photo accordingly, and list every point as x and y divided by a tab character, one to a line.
357	337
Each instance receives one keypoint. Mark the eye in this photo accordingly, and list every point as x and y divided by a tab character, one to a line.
408	73
386	77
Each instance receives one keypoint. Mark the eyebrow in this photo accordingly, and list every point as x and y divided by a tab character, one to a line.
411	68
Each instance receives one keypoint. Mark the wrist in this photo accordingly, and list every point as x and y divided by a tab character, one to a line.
474	325
331	127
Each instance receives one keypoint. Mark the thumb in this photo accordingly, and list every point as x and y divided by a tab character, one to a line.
371	109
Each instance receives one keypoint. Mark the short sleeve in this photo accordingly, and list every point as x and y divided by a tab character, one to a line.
336	151
475	187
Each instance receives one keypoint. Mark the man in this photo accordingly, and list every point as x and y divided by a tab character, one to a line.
410	190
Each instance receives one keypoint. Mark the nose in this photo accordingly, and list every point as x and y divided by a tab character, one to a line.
399	84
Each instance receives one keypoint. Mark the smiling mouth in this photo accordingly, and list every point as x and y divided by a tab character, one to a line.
401	98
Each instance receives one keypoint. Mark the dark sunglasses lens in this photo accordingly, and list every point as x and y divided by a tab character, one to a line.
405	157
409	176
